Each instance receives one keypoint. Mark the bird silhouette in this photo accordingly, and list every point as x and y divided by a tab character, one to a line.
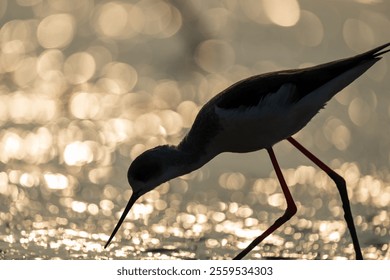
254	114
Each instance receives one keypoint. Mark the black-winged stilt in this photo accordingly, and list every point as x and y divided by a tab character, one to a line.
254	114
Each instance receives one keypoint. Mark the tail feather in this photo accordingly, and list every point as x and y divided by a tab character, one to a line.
375	52
383	52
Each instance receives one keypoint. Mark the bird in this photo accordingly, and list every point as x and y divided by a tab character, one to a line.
254	114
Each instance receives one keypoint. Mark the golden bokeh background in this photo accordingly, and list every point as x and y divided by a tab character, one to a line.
86	86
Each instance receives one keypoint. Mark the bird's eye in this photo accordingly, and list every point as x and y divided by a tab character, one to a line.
145	171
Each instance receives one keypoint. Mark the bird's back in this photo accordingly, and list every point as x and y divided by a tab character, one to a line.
249	92
233	107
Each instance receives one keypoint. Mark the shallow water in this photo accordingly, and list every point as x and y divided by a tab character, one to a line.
122	77
202	222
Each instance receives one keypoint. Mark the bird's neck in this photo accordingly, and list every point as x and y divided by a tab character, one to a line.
190	159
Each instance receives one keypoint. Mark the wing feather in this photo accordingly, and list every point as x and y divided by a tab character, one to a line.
251	91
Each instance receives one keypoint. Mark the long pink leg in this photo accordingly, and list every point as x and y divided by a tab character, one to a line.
341	186
290	211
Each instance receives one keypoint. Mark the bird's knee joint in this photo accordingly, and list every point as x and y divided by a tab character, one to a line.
293	210
339	180
290	211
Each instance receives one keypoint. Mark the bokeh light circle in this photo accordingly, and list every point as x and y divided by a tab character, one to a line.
56	31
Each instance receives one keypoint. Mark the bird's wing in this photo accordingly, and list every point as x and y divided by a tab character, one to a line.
251	91
230	107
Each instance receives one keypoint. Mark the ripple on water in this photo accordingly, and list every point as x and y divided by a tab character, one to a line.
77	106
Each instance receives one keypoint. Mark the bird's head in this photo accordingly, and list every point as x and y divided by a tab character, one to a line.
148	171
152	168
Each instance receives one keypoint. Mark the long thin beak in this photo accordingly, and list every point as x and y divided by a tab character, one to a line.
130	204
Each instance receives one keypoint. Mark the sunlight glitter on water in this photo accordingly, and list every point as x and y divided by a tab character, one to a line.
56	181
77	106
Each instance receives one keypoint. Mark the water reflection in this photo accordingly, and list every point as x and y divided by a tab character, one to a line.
86	86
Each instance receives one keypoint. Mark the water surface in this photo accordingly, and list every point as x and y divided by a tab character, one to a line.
86	86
